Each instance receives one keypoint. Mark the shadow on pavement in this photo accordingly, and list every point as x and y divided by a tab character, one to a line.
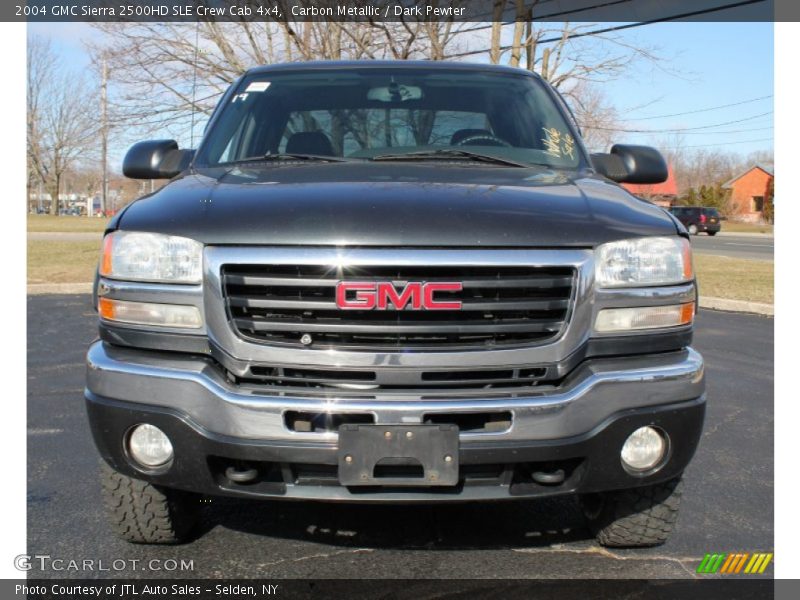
532	523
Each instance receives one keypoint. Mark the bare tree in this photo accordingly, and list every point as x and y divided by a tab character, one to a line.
596	116
163	72
61	122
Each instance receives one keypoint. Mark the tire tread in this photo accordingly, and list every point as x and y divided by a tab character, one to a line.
638	517
142	513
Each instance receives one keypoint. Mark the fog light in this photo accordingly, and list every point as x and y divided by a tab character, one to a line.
149	446
644	449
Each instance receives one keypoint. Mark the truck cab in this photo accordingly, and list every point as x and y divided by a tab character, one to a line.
394	282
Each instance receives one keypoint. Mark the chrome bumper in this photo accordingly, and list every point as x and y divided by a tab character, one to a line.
194	387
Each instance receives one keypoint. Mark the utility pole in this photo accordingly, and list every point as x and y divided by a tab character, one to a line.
104	134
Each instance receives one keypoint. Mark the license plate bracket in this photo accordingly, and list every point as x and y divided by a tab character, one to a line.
362	448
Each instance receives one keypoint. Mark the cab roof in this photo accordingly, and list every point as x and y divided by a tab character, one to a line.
433	65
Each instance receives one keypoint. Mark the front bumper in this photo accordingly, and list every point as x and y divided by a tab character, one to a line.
578	428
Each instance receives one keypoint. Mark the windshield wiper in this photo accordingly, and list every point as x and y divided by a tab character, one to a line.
289	156
451	153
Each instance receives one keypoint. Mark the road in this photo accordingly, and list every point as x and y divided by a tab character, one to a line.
735	246
728	501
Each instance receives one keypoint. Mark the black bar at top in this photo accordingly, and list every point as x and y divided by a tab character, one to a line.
629	11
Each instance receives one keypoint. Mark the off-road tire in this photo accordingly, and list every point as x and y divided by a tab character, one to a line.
638	517
143	513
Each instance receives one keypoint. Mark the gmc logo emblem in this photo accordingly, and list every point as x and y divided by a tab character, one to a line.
383	295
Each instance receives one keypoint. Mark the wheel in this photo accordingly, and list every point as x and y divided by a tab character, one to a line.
638	517
693	229
711	233
143	513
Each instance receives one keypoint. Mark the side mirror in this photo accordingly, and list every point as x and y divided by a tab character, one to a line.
156	159
632	164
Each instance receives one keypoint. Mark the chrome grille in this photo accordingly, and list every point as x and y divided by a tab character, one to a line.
501	306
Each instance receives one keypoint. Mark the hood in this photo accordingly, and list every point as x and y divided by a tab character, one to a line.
395	204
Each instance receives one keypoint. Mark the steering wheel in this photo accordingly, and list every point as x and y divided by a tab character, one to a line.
482	139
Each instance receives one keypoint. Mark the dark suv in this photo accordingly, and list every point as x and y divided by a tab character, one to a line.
381	282
698	218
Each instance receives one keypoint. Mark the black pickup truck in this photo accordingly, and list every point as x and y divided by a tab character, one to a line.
394	282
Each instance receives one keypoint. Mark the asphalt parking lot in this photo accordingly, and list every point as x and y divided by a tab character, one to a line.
752	247
728	496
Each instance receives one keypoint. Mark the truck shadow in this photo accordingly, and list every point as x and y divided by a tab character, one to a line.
512	524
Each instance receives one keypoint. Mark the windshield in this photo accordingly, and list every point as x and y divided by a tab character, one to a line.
368	113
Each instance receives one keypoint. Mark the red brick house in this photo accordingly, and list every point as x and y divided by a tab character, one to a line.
748	191
663	194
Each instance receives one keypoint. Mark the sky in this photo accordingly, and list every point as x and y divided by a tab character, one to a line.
712	64
705	65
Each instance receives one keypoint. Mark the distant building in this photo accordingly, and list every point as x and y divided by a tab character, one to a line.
663	194
748	191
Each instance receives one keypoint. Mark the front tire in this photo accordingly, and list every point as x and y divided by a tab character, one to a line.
693	229
635	518
142	513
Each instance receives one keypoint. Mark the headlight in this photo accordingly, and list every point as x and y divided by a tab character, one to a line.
643	262
138	256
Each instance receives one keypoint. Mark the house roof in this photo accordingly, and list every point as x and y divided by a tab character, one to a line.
665	188
767	167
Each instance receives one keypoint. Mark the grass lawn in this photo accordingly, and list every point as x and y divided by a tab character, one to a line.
64	223
734	227
735	278
62	262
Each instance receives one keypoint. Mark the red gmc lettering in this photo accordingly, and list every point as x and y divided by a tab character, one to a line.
365	295
431	288
387	294
384	295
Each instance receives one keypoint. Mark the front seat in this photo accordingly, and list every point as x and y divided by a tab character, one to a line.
309	142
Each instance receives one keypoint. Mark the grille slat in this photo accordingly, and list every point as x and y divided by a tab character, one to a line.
278	304
443	327
299	303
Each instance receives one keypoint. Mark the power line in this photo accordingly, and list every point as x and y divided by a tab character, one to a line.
725	132
692	112
616	27
708	145
679	129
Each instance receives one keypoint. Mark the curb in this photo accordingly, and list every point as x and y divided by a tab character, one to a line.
35	289
758	308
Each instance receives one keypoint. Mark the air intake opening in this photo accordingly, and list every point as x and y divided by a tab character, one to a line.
308	422
488	422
